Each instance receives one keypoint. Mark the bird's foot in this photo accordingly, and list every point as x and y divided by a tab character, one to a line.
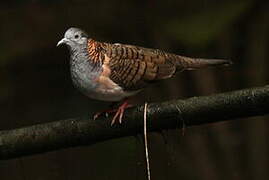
118	115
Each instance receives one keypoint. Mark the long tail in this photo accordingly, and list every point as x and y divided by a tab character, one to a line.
186	63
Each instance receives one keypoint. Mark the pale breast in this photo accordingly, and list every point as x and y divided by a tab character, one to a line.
92	78
109	94
99	87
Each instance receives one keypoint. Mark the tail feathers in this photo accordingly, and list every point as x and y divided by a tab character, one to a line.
197	63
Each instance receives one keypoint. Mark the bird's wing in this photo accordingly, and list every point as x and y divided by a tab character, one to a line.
133	67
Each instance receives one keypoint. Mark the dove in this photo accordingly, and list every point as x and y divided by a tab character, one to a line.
114	72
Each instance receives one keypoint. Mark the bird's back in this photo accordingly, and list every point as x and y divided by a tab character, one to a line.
133	67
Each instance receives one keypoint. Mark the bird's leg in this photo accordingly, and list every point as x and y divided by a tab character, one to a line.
106	111
120	112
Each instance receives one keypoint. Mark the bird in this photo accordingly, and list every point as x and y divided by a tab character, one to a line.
115	72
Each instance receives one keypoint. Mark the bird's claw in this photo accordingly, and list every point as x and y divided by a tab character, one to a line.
118	115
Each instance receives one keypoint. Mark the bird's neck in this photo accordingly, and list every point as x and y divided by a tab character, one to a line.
84	71
84	56
94	50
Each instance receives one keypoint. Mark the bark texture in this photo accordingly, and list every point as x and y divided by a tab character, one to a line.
166	115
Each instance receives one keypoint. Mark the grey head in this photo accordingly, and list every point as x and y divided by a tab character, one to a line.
74	38
83	72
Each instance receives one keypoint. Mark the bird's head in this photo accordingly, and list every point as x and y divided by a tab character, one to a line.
74	37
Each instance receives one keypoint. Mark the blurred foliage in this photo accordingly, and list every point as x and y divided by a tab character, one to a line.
203	27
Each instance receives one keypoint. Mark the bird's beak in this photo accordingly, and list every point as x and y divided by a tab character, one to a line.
62	41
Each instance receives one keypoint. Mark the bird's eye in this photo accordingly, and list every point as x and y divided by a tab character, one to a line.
76	36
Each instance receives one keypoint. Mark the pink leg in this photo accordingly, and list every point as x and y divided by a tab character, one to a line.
119	112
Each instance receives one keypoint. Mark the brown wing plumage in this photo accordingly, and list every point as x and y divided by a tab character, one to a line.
133	67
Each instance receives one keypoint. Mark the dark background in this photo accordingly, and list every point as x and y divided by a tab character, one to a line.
36	86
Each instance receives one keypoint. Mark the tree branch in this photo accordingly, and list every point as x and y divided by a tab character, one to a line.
167	115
